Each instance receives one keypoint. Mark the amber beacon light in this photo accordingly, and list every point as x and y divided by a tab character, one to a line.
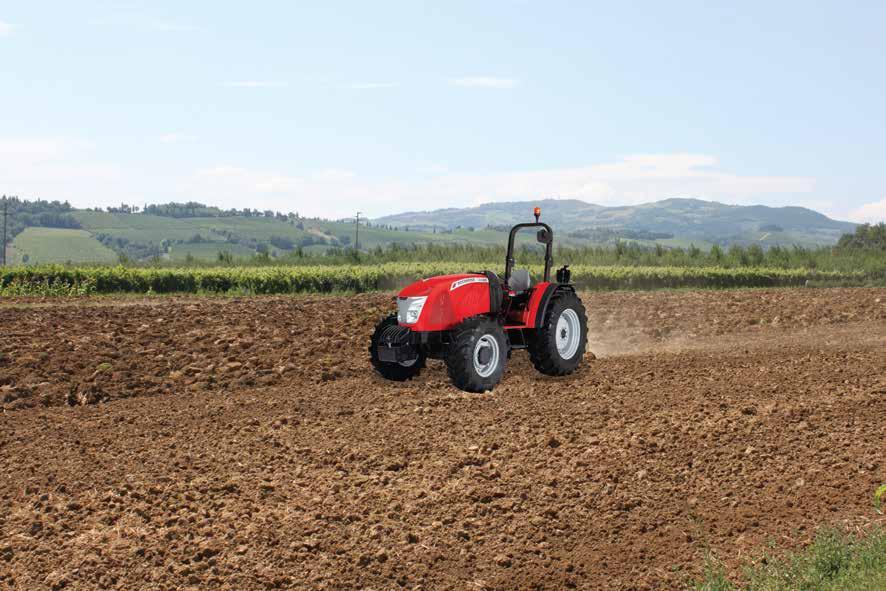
537	212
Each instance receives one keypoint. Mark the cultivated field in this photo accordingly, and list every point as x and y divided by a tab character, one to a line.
58	245
168	443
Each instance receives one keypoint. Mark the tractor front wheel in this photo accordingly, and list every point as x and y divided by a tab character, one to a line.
395	371
559	343
477	355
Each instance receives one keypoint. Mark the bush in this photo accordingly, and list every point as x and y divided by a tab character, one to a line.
866	237
282	242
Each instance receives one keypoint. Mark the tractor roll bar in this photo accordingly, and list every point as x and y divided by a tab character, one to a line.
549	259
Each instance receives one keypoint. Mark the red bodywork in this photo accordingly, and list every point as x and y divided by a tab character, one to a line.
525	316
453	298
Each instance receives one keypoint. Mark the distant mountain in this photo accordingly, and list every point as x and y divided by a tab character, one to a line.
685	219
567	214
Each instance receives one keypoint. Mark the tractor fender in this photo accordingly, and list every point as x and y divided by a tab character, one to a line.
495	292
545	301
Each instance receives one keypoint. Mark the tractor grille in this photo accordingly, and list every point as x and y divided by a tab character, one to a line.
395	335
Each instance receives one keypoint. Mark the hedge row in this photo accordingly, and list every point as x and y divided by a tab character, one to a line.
64	280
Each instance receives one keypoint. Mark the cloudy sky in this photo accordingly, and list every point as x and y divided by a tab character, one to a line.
326	108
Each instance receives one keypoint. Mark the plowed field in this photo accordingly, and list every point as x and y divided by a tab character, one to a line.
245	444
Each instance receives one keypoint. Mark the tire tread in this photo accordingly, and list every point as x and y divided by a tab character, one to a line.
459	357
543	348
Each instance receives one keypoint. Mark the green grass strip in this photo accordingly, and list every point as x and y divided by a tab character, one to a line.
833	562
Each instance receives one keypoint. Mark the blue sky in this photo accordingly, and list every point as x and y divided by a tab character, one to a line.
331	107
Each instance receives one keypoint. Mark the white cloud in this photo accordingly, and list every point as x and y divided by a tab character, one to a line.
483	82
68	168
176	137
51	167
24	150
333	174
323	192
872	213
5	29
255	84
631	180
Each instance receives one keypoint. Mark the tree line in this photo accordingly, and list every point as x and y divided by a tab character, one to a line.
851	254
22	214
850	257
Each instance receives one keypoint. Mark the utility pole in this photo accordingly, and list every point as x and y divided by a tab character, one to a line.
4	230
357	232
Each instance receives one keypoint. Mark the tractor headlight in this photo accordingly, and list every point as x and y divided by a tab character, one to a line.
409	309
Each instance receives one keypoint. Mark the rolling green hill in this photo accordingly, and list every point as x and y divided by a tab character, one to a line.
180	232
58	245
141	236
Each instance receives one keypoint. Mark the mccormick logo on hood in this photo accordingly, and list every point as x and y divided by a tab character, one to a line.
456	284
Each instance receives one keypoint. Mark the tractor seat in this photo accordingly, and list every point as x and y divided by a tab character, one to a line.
520	280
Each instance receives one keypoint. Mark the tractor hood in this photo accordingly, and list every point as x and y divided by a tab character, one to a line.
424	287
450	299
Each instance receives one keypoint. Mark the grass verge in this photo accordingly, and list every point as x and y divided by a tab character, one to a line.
835	561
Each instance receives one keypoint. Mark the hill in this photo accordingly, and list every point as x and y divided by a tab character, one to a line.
43	232
682	219
141	236
57	245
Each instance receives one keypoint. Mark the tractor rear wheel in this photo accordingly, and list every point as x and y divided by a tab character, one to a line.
477	355
560	341
395	371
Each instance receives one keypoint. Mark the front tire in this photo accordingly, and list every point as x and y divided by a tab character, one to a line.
397	372
559	344
477	355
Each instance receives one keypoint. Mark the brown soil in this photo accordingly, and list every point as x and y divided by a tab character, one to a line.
245	444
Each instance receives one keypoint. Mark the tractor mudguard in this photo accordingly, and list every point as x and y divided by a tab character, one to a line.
546	300
495	292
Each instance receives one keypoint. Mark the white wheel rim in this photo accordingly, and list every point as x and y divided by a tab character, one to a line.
486	344
568	334
409	363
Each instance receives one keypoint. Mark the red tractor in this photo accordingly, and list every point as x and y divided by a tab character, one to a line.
474	320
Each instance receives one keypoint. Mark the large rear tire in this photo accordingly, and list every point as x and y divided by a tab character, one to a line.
397	372
560	342
477	355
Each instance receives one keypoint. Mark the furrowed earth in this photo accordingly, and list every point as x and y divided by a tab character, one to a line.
232	443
